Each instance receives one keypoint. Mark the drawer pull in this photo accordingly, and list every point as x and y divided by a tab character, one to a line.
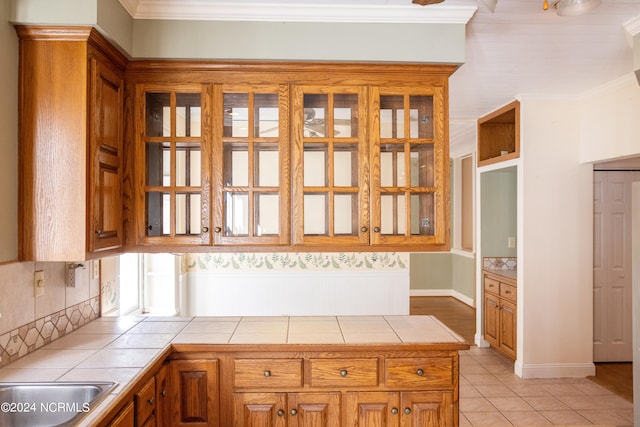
163	393
280	412
394	411
267	373
407	411
343	372
420	372
507	292
150	401
294	412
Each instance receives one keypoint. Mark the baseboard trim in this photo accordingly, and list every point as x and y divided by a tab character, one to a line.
558	370
442	293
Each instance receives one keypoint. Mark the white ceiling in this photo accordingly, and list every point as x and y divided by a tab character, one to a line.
518	50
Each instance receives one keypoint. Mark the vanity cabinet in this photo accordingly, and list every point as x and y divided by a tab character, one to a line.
71	92
500	308
289	155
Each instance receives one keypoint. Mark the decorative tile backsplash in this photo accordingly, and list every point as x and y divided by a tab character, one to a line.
30	337
297	261
500	263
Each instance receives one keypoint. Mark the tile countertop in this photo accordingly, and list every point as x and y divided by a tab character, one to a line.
508	273
121	348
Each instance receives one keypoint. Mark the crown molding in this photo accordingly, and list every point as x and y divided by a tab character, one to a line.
298	12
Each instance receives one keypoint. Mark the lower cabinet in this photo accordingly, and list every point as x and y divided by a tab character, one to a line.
125	418
500	307
193	391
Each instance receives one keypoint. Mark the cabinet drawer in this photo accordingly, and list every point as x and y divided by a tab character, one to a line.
344	372
508	291
261	373
145	401
420	373
491	285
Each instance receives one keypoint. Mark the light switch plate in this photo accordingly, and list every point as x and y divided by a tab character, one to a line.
38	283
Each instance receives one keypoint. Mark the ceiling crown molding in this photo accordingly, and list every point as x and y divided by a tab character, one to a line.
298	12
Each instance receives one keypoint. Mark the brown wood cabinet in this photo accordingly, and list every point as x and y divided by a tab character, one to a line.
70	144
314	385
499	135
286	156
500	308
193	391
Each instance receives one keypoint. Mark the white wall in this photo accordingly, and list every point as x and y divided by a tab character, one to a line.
555	255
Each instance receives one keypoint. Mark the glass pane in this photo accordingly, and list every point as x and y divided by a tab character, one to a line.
421	116
188	213
158	118
345	165
158	159
315	214
266	115
422	169
344	208
392	165
422	214
158	211
267	214
188	165
393	214
345	116
187	114
315	165
267	165
236	114
315	113
236	164
236	221
392	116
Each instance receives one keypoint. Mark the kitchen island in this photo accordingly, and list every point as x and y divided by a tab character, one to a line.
244	371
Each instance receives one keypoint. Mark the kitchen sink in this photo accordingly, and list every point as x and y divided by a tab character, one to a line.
49	404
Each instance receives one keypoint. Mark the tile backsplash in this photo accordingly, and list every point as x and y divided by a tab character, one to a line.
499	263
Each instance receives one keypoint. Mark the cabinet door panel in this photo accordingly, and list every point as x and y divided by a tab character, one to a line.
314	409
428	409
194	399
508	328
491	319
371	409
260	410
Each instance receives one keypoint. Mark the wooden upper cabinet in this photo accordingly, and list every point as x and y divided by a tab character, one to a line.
409	167
70	140
499	135
251	165
330	166
172	154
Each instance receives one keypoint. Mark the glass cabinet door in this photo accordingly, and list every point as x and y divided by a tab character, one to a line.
330	166
175	183
409	155
251	165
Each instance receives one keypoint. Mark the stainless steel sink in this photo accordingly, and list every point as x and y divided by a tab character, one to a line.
49	404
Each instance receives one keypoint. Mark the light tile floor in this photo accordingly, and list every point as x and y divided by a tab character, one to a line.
492	395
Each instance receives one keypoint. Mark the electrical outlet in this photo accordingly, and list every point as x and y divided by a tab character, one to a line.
38	283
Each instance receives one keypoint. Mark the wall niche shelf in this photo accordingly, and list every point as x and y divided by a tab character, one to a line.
499	135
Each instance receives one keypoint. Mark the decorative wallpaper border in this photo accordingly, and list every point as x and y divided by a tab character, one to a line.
30	337
500	263
297	261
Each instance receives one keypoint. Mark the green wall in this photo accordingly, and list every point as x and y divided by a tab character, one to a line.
498	212
445	271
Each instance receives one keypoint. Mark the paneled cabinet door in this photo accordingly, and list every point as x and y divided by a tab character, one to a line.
508	328
251	165
193	393
372	409
428	409
260	410
409	166
314	409
330	166
491	319
105	151
125	418
172	156
286	409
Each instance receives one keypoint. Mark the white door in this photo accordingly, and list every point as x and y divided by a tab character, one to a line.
612	308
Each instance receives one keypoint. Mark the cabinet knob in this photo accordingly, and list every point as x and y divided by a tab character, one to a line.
364	229
294	412
267	373
394	411
150	401
280	412
98	232
343	372
376	229
407	411
150	227
420	372
217	229
205	229
163	393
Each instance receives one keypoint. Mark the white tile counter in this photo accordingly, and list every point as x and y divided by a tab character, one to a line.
120	348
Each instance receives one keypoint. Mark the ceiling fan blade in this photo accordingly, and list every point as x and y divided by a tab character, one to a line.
426	2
